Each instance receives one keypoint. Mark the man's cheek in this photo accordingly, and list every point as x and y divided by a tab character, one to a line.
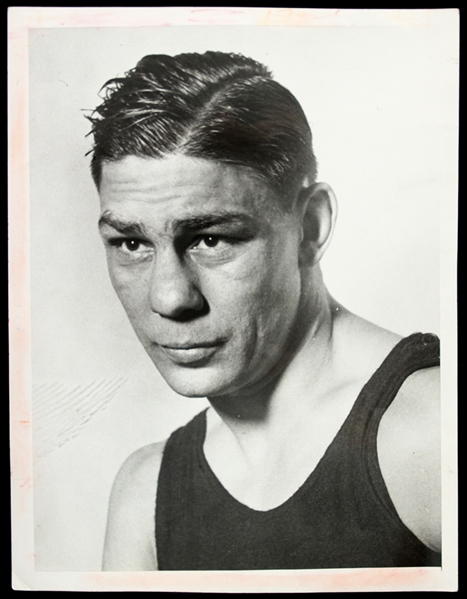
247	282
132	300
249	265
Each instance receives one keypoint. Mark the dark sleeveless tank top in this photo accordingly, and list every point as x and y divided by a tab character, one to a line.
341	517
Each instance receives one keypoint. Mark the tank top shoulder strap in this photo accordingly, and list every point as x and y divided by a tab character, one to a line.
187	435
177	472
413	353
179	448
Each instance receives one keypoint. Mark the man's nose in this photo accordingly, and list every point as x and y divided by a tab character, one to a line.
174	292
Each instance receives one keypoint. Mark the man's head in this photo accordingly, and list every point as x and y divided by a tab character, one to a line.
222	107
210	217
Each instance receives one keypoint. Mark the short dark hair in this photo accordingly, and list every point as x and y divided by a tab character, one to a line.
218	106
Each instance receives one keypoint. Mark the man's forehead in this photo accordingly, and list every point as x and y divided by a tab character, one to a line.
176	171
181	188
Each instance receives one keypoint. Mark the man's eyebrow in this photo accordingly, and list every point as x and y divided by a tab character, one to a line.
125	228
204	221
211	220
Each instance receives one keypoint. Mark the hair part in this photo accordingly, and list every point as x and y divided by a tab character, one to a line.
217	106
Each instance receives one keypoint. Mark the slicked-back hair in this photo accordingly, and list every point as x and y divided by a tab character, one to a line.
217	106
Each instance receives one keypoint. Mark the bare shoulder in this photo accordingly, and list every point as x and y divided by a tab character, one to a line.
130	535
360	345
409	452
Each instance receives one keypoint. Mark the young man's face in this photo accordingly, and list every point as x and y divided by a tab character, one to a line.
206	264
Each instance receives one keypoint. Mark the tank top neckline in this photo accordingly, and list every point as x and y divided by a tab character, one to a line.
380	373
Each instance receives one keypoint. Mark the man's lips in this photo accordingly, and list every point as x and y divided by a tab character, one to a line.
192	353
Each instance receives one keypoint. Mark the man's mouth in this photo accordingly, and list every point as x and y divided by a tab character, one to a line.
192	354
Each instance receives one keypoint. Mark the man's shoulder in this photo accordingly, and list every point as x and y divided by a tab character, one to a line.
409	452
135	486
420	392
360	347
130	536
416	407
415	410
142	466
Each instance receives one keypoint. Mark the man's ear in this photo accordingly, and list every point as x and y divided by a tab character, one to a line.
318	210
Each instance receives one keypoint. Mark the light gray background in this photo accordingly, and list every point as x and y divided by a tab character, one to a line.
382	105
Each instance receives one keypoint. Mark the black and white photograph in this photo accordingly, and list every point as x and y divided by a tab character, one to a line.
233	316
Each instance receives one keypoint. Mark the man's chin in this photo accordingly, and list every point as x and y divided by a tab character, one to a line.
194	390
187	381
191	382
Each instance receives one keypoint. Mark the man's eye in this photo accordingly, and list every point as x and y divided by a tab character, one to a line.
131	245
206	241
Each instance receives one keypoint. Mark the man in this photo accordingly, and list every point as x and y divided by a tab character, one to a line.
321	445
